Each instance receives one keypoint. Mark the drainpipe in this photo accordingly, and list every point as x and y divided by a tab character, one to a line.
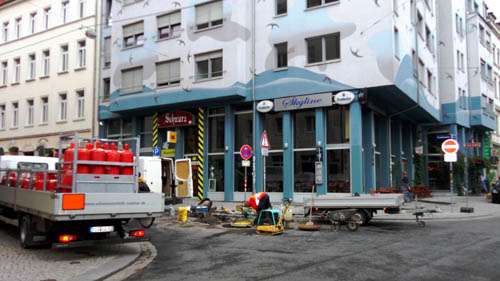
95	79
254	103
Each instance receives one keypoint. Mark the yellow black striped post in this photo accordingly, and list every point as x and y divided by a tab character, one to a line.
155	130
200	151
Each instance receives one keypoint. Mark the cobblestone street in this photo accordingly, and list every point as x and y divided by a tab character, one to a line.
56	264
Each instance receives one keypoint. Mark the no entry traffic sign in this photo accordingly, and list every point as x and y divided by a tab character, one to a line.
246	152
450	146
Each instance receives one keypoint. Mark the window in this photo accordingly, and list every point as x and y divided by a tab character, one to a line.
81	8
420	24
32	67
4	73
15	115
109	5
273	123
106	88
397	48
82	54
5	31
169	25
45	110
63	107
430	81
46	13
281	7
304	150
17	70
2	117
209	65
132	80
242	135
31	113
107	51
324	48
168	73
483	70
18	28
133	34
209	15
46	63
80	104
481	35
64	58
318	3
429	39
459	65
281	54
64	11
338	126
216	149
32	22
421	72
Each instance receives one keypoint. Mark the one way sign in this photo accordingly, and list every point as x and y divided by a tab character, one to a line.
264	143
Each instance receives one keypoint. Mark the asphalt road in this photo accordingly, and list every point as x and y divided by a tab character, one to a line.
465	250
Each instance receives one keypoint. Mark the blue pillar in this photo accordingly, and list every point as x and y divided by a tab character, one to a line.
383	146
288	179
396	148
425	143
259	167
206	170
408	150
369	151
228	155
356	138
321	141
179	146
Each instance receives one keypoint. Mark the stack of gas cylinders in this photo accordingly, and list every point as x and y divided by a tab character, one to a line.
99	152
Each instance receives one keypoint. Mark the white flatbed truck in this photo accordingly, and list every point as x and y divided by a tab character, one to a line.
95	209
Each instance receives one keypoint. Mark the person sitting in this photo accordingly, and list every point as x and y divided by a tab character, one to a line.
258	201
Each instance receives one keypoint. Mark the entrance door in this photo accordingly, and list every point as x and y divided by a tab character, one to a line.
167	176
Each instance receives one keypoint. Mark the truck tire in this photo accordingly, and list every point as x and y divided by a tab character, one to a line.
26	232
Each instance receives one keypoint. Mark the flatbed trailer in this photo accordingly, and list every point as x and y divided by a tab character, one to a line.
94	209
365	204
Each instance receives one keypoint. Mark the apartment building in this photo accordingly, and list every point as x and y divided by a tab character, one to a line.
349	94
46	73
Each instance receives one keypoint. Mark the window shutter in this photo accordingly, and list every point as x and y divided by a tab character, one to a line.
137	74
163	20
175	18
132	29
202	14
175	70
162	72
216	11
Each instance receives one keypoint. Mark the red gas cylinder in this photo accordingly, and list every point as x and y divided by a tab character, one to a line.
51	180
25	180
12	178
113	156
68	157
97	154
84	155
126	156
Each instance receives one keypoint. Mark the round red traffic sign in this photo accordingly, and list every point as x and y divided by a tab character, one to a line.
246	152
450	146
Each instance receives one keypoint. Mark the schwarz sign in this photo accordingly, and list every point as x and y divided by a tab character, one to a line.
303	102
344	98
175	119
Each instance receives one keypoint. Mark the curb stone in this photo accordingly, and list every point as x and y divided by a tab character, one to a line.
148	254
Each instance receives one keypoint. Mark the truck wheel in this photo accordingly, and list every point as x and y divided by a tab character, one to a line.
352	225
25	232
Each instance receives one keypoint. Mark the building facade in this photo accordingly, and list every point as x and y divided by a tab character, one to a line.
46	73
353	97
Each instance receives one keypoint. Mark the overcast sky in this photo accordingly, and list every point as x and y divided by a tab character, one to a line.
494	7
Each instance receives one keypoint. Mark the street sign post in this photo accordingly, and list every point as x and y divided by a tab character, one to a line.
264	148
156	151
245	153
450	148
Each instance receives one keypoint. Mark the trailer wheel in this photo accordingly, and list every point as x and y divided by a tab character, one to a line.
352	225
25	232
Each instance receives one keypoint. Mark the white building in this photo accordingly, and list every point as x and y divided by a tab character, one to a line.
46	72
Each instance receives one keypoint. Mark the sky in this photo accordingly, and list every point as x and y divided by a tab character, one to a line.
494	7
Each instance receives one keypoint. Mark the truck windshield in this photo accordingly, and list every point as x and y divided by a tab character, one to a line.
32	166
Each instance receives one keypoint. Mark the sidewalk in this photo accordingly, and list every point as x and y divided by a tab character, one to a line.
441	207
444	207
